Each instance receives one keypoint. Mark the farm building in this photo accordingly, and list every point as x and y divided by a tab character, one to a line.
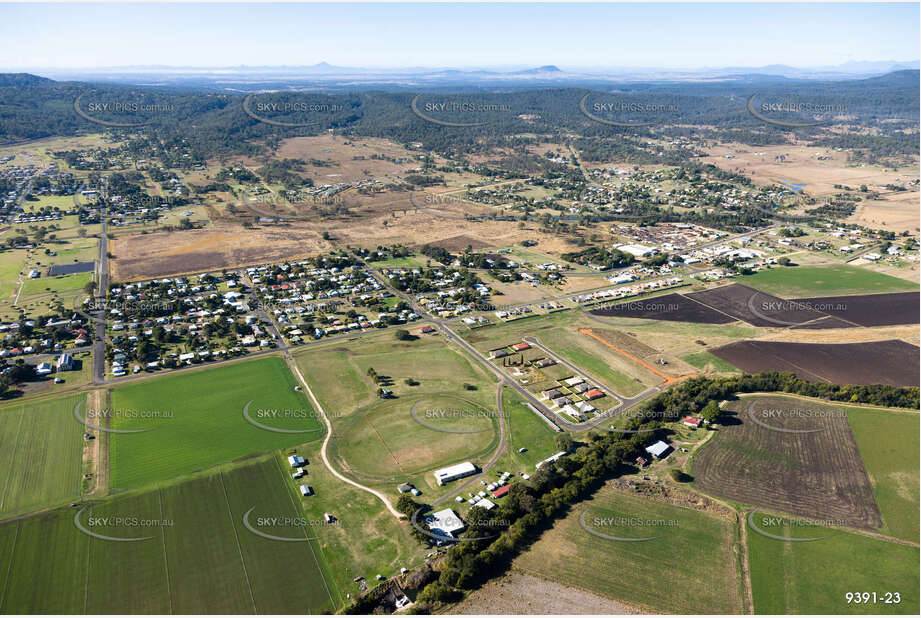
501	491
452	473
43	369
404	488
550	459
306	490
445	523
659	449
296	461
500	353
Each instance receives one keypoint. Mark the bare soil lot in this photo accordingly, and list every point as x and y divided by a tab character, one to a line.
756	308
871	309
892	362
670	307
790	455
520	593
147	256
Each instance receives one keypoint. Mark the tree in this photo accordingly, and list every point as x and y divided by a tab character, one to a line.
564	442
783	261
402	335
711	412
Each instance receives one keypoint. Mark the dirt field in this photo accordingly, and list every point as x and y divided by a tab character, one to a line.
893	362
871	309
520	593
341	152
147	256
896	212
669	307
809	467
798	164
754	307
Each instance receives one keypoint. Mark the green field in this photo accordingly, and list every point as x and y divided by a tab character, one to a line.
812	577
195	420
196	555
888	445
701	360
689	567
810	281
60	285
387	442
524	430
41	449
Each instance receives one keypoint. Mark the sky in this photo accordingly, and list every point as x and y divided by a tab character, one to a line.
570	36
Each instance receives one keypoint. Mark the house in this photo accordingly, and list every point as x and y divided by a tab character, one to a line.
551	394
498	353
544	362
521	347
425	330
404	488
43	369
573	381
658	450
452	473
65	362
593	394
296	461
306	490
445	523
691	421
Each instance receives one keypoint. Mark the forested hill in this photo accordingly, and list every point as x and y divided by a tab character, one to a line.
33	107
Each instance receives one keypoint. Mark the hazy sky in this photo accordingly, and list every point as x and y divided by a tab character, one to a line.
458	35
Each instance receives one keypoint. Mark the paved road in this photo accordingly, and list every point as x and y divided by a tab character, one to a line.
102	290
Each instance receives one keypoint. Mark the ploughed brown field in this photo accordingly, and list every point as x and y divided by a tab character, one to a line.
737	302
870	309
669	307
893	362
789	455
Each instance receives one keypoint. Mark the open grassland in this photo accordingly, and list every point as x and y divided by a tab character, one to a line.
41	447
524	430
688	566
409	434
709	363
195	420
195	554
812	577
888	445
378	440
804	281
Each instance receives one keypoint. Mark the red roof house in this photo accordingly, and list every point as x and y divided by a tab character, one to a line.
501	491
593	394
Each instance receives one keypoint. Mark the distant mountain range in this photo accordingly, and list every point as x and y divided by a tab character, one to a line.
324	76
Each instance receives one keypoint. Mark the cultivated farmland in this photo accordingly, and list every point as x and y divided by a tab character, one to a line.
789	455
196	556
40	454
195	420
893	362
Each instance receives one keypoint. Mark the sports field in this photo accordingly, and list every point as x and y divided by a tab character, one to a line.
687	566
195	555
812	577
195	420
803	281
41	449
